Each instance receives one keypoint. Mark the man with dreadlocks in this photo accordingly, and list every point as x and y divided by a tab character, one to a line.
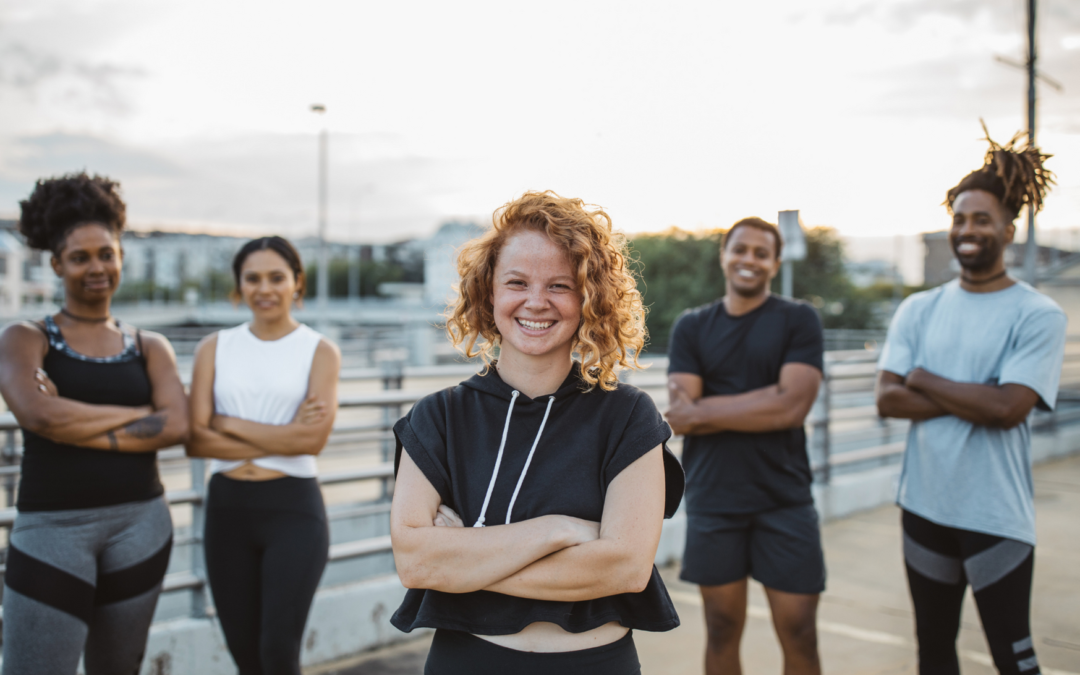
966	362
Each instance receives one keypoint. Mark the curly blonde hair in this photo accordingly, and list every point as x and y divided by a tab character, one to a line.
612	331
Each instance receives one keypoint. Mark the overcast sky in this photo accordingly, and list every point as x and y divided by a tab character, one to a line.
859	113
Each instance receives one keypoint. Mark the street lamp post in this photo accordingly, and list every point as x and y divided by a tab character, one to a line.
322	288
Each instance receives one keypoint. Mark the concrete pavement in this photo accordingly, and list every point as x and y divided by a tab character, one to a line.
864	623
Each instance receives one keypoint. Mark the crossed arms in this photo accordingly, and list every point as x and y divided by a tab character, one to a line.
232	438
552	557
35	402
783	405
922	395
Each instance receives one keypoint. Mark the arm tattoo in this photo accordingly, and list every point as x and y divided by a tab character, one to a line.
113	445
147	427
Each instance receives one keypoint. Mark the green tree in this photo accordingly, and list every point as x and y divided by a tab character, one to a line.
676	270
822	280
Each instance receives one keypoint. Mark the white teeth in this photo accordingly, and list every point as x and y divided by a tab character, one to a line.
746	274
535	325
967	247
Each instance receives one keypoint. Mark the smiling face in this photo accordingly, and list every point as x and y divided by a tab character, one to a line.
535	299
980	231
749	261
89	263
267	284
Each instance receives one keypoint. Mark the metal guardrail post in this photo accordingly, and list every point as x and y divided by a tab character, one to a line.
392	378
9	459
822	417
198	521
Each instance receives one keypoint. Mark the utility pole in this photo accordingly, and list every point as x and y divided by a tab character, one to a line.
1031	247
322	288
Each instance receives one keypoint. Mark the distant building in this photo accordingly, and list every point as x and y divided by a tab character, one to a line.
25	274
940	264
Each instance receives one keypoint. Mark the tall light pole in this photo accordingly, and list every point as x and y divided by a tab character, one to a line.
322	288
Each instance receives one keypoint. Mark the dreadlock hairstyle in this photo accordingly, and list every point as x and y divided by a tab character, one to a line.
1014	173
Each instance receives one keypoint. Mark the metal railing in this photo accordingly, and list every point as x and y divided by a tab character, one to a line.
844	434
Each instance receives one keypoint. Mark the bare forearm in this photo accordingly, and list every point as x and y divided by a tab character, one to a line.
153	432
757	411
595	569
981	404
66	421
466	559
274	439
205	442
897	400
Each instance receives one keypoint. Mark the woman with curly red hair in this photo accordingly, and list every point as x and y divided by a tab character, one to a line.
561	471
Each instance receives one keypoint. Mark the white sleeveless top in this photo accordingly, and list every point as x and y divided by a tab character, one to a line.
264	381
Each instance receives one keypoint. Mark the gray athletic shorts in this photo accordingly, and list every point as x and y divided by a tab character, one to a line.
779	548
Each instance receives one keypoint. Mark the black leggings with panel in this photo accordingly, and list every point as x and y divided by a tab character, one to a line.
941	562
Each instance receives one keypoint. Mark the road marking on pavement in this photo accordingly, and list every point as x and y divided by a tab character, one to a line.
843	629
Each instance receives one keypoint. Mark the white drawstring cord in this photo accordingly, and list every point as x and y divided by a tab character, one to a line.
498	460
528	460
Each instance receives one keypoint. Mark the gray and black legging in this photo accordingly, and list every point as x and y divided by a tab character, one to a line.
84	578
941	562
266	548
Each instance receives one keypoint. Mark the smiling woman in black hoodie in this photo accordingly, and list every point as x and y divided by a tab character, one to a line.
561	472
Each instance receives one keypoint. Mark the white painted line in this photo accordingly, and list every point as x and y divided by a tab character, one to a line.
843	629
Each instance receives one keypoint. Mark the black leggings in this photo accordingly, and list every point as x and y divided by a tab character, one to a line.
941	562
456	653
266	547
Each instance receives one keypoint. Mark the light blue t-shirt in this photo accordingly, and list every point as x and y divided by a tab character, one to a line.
956	473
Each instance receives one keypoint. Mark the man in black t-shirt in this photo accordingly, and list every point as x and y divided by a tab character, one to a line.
742	376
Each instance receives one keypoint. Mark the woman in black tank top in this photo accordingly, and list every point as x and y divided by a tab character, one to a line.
95	399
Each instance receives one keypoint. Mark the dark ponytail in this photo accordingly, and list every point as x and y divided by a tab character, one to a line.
278	245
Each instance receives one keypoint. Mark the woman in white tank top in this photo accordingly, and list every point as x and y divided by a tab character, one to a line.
263	400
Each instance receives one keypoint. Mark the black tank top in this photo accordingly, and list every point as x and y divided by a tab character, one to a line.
56	476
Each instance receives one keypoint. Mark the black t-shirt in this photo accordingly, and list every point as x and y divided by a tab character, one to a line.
453	436
736	472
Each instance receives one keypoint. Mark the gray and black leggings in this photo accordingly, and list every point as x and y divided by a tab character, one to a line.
84	580
941	562
266	547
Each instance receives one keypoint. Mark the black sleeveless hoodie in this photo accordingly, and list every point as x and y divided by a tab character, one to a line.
574	443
